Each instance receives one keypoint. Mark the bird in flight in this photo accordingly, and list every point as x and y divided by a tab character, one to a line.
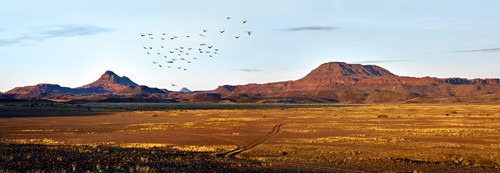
237	37
228	17
154	62
174	85
249	32
244	21
160	65
143	35
204	30
222	31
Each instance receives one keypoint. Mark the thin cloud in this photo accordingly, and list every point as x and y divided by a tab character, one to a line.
250	70
72	30
56	32
310	28
478	50
380	61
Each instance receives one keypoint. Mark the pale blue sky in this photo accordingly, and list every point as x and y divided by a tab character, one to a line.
71	43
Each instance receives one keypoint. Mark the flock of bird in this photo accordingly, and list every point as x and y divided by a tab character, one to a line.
178	51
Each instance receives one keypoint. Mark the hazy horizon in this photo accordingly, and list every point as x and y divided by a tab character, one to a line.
72	43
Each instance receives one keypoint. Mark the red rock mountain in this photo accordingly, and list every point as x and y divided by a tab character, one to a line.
333	82
108	83
39	89
355	83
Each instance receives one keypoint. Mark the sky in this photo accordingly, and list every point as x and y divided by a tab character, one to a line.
72	43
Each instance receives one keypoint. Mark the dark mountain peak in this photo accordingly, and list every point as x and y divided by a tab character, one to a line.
111	78
342	69
185	90
109	73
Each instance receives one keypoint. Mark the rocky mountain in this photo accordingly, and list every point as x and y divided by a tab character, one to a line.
41	89
355	83
333	82
108	83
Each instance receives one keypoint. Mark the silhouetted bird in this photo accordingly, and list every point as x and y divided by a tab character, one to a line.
204	30
160	65
249	32
150	34
174	85
237	37
228	17
154	62
222	31
210	47
244	21
164	33
143	35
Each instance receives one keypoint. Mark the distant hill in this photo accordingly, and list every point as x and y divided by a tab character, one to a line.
333	82
185	90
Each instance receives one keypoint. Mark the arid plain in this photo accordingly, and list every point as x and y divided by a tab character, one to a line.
310	138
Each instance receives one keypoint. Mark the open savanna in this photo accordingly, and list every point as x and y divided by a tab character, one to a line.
318	138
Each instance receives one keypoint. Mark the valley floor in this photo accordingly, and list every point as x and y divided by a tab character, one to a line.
273	138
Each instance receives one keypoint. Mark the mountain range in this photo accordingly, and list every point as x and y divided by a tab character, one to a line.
333	82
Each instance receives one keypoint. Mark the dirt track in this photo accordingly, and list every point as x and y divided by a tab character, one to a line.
274	132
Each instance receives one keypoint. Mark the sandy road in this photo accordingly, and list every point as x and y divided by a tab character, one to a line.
233	153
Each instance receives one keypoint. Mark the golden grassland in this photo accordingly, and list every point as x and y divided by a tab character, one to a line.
407	136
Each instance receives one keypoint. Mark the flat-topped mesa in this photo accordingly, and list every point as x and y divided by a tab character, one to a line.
39	89
342	69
